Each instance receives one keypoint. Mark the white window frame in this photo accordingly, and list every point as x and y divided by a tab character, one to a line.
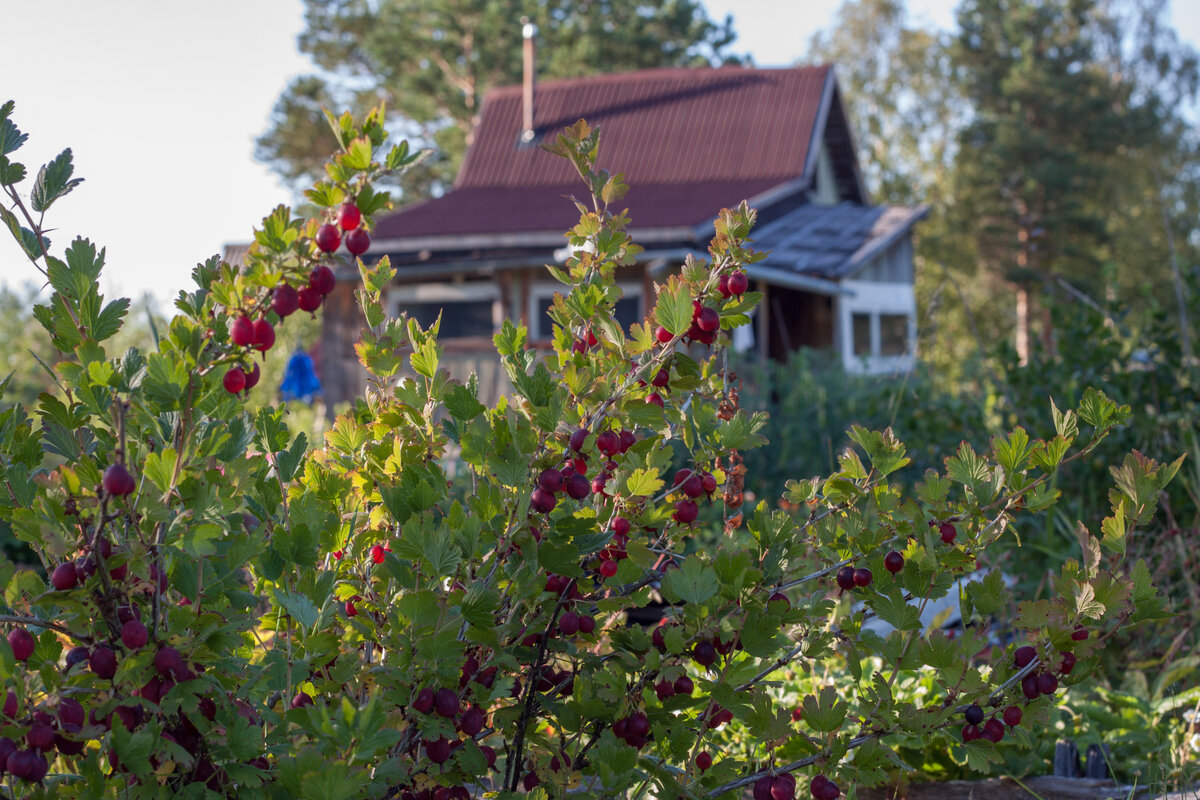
541	291
876	298
447	293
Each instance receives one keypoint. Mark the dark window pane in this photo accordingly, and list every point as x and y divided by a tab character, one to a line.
628	311
862	334
545	325
459	318
893	334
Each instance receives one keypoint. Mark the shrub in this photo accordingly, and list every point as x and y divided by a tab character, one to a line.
233	613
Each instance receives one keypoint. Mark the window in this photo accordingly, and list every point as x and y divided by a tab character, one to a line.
893	334
467	309
862	334
628	309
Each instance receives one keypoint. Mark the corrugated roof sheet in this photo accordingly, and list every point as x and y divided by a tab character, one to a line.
832	241
547	208
689	142
659	126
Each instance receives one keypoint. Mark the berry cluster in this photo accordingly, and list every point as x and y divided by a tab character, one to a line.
63	724
1040	682
258	334
349	219
776	787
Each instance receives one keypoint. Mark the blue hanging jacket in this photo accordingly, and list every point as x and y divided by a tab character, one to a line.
300	380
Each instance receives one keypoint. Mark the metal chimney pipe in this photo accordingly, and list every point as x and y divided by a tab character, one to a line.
529	31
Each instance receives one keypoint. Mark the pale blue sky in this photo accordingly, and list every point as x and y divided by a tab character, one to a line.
161	102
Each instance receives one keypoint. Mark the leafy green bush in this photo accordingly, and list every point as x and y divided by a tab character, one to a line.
233	613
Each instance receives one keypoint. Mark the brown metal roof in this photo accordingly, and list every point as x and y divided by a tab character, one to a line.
659	126
689	142
547	208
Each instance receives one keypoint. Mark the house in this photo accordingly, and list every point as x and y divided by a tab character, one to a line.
690	142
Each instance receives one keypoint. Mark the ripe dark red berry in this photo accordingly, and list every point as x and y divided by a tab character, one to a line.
578	437
241	331
542	501
285	300
378	554
655	398
1029	687
845	578
762	788
310	299
703	761
993	730
445	702
608	568
77	655
577	486
349	216
973	714
708	320
568	623
1024	656
948	532
693	487
351	609
683	685
322	279
663	335
661	379
10	704
704	654
863	577
1012	716
328	238
117	480
550	480
234	380
738	283
22	643
472	721
264	335
783	787
1067	664
723	286
1047	683
893	562
970	733
423	701
65	576
40	736
824	789
252	377
134	634
358	241
587	624
1079	634
608	443
103	662
168	661
686	511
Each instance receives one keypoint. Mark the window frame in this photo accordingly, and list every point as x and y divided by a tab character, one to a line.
542	290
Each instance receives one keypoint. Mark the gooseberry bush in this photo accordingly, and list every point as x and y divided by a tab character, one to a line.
432	602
